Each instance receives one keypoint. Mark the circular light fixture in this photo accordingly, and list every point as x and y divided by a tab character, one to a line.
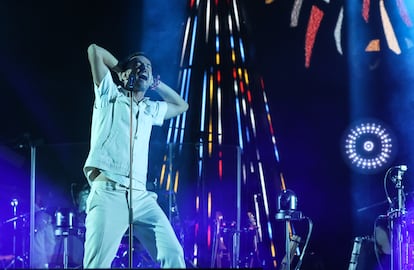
368	146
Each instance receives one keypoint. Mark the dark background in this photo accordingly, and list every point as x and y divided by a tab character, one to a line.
46	92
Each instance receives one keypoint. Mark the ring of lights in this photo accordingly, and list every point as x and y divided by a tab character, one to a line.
368	146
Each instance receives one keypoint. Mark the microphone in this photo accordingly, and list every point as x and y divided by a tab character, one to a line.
136	71
402	168
131	80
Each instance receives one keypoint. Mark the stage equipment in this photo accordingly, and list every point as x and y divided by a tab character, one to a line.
219	249
287	211
17	258
368	146
362	256
29	142
224	239
401	244
130	86
142	259
64	225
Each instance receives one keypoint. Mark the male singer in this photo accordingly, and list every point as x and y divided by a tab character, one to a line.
107	167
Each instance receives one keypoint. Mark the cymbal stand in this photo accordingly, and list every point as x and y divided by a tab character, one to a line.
12	264
65	251
64	233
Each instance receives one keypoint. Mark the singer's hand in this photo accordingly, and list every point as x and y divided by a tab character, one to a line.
155	82
117	68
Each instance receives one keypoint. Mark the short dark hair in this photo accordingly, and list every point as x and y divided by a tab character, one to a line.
129	62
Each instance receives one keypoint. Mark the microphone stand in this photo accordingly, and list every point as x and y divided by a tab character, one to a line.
130	209
397	226
130	87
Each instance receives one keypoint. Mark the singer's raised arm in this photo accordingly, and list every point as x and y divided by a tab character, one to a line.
100	61
176	104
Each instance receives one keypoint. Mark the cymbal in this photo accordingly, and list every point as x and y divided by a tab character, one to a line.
22	216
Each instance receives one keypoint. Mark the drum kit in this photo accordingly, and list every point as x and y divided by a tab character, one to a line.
56	235
57	240
67	233
65	229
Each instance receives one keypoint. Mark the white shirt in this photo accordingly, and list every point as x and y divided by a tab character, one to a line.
110	134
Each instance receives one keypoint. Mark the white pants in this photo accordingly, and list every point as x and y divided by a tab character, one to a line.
107	221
